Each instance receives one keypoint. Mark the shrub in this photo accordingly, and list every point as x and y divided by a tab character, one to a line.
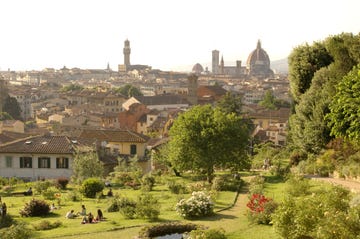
148	182
198	205
114	204
127	207
165	229
147	207
41	186
47	225
226	183
298	186
257	184
207	234
35	208
260	209
176	188
62	182
91	186
6	221
126	178
19	231
8	190
74	196
198	186
50	193
323	214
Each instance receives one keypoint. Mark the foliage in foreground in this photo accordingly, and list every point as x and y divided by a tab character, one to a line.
207	234
261	209
19	231
325	214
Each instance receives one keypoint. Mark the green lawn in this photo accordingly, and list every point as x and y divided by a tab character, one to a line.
233	220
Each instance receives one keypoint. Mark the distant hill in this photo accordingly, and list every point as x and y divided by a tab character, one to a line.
280	66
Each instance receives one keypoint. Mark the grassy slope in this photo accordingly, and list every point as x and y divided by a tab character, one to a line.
233	221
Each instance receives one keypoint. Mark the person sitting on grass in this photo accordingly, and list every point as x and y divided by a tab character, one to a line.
83	211
110	193
70	214
99	216
28	192
91	218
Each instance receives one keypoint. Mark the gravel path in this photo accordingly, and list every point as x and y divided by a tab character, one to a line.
354	186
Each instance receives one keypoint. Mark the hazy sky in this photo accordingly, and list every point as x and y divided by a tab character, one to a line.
165	34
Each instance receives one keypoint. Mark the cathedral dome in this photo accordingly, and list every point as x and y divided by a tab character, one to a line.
197	68
258	57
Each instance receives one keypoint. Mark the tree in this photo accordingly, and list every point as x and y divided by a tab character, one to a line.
344	107
5	116
86	165
309	129
230	103
72	87
129	91
304	61
204	138
12	107
269	100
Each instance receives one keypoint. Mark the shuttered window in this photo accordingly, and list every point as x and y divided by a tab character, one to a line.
62	162
133	149
25	162
43	162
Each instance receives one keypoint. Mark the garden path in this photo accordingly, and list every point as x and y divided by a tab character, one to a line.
353	186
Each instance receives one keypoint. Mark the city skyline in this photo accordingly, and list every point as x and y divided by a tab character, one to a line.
166	35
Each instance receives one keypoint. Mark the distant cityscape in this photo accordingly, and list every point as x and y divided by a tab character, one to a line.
95	111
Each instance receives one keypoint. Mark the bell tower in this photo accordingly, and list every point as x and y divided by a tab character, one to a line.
127	51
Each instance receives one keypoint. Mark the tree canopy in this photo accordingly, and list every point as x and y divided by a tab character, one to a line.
11	106
204	138
129	91
344	107
230	103
309	127
72	87
87	165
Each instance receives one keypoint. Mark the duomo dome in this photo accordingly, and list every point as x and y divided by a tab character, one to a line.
258	62
197	68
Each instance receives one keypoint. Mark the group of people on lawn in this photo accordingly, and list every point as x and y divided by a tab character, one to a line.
86	218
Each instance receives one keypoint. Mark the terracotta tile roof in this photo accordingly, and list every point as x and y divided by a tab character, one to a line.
166	99
8	136
114	136
41	144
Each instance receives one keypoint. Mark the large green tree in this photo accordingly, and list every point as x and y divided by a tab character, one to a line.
205	138
11	106
309	129
344	107
86	165
304	61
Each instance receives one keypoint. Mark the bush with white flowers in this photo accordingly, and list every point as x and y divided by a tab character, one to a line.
198	205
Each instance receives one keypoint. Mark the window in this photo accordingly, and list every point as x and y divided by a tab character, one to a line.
62	163
133	149
25	162
43	162
8	161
